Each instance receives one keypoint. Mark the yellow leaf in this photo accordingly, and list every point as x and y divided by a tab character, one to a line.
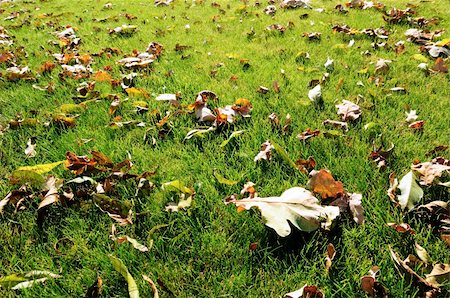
42	168
136	92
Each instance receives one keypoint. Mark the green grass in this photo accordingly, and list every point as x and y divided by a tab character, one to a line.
204	252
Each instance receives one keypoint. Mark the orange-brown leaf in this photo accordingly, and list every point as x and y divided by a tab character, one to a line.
324	184
102	76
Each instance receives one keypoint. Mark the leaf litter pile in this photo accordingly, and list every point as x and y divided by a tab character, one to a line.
282	148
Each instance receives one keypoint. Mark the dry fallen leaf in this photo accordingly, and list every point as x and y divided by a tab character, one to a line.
265	153
429	172
372	286
348	110
295	4
306	292
356	208
402	228
296	205
330	254
152	284
308	134
439	275
315	94
426	288
323	183
30	151
382	66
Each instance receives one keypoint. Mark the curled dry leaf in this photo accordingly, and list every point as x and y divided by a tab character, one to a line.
402	228
372	286
171	98
30	151
296	206
337	124
392	191
323	183
134	242
295	4
429	172
426	288
306	292
51	186
382	66
306	166
265	153
152	284
330	254
123	30
348	110
307	134
439	275
418	125
315	94
356	208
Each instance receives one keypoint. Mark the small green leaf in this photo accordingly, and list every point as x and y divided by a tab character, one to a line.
284	155
233	135
221	179
177	185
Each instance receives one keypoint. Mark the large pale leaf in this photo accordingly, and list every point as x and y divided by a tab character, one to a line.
296	205
411	193
120	267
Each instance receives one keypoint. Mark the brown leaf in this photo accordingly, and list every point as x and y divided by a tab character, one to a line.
102	159
307	134
402	228
48	66
392	191
79	164
265	152
323	183
306	165
427	289
440	66
371	286
306	292
417	125
275	87
330	254
348	110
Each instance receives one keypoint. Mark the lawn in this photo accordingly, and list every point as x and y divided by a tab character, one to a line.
207	248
